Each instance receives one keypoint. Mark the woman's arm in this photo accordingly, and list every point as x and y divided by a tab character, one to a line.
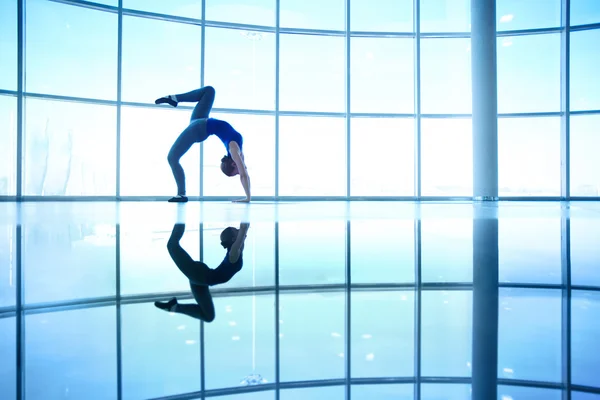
235	152
238	245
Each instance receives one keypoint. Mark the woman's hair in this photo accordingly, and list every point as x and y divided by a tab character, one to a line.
228	237
228	166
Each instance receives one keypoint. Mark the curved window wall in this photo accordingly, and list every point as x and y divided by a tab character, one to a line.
367	103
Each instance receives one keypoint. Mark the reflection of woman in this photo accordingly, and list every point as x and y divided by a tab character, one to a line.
200	128
200	275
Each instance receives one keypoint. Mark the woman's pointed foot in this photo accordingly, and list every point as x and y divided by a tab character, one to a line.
170	99
178	199
166	305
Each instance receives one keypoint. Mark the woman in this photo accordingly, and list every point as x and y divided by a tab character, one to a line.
200	275
200	128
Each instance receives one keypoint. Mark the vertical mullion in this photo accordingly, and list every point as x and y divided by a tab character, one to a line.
202	344
119	98
417	308
348	120
20	318
202	64
277	365
348	336
20	87
417	75
566	305
118	307
277	8
565	55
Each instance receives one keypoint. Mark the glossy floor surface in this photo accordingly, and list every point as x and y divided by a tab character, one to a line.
335	300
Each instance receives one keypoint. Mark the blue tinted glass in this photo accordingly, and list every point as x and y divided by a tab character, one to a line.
387	16
440	391
530	14
445	15
8	145
382	392
8	361
585	12
585	252
447	250
585	334
318	393
585	138
8	265
255	12
584	396
585	81
181	8
519	392
325	14
8	45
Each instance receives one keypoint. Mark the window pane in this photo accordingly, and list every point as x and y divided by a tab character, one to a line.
585	81
585	141
259	155
438	391
255	12
8	145
529	334
447	157
393	262
73	352
388	16
446	333
506	392
446	76
180	8
161	352
146	266
314	393
311	337
326	258
383	392
447	250
262	395
8	45
382	338
259	253
240	343
530	250
371	166
584	396
240	64
68	261
312	72
8	261
147	172
8	361
170	65
445	16
585	12
585	338
531	14
70	148
585	252
324	139
529	156
71	51
382	78
325	14
529	73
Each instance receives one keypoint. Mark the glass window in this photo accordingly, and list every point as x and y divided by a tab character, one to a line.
180	8
69	149
446	76
585	252
531	14
68	261
240	342
446	391
326	14
382	336
585	164
160	352
585	12
506	392
71	50
311	338
529	156
584	396
445	16
327	256
446	334
529	250
255	12
585	336
259	253
447	157
383	392
312	72
382	251
73	352
388	16
262	395
8	45
259	155
8	361
585	81
382	75
382	157
240	65
528	73
170	66
8	265
529	334
8	145
146	266
447	250
314	393
147	172
323	139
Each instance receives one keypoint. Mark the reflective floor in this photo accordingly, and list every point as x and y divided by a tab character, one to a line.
335	300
